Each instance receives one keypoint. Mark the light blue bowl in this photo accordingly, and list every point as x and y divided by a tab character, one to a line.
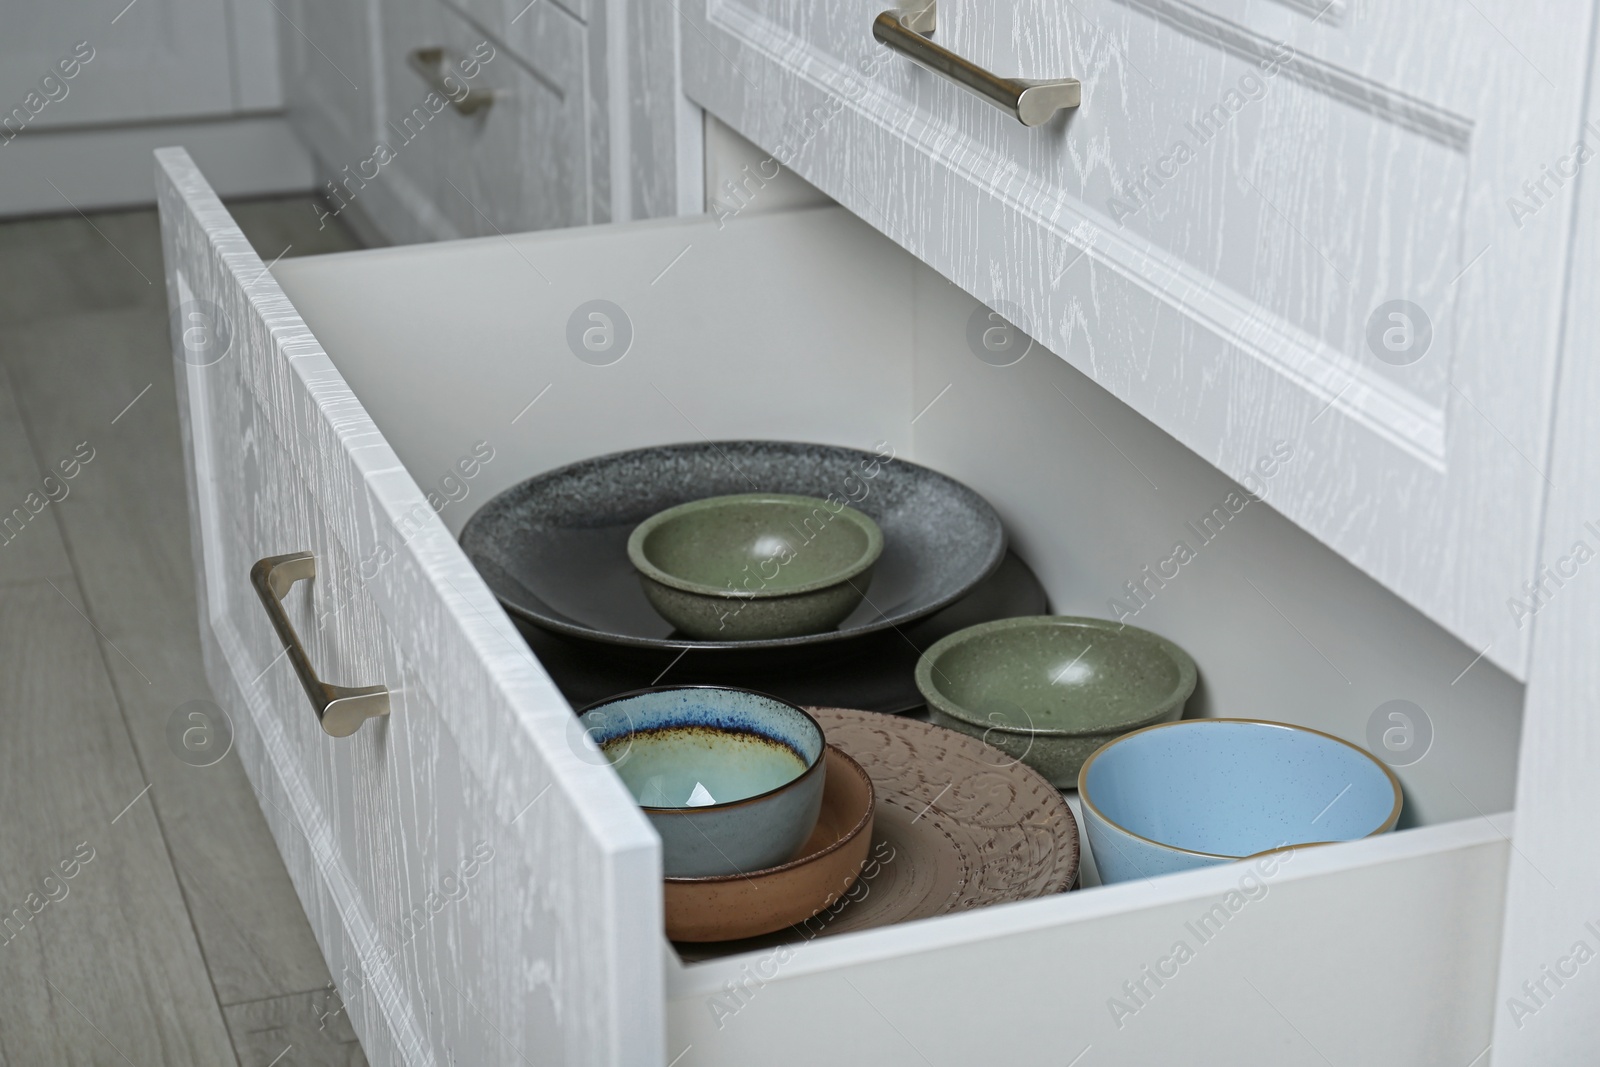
1199	792
731	780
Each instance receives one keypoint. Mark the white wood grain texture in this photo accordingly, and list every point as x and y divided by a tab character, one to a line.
519	165
590	124
333	83
664	156
550	948
1545	1013
1276	983
606	88
636	121
1231	306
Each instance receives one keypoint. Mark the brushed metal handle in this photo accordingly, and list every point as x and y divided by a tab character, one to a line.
340	709
429	63
1031	103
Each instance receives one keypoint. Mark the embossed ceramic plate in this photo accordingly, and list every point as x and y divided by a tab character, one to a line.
554	548
958	825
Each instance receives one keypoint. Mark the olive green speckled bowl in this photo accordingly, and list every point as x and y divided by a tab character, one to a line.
755	565
1051	689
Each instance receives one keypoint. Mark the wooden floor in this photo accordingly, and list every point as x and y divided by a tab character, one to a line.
145	917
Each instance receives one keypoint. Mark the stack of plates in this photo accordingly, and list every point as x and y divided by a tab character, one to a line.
554	551
958	825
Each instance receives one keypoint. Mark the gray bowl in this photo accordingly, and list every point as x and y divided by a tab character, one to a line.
755	565
732	780
1051	689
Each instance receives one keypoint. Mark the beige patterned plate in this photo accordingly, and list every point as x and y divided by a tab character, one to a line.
959	825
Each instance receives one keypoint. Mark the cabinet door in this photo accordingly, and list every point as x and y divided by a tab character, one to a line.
1334	224
65	64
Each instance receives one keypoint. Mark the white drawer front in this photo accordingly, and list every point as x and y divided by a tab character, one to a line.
1219	233
519	164
1302	963
478	880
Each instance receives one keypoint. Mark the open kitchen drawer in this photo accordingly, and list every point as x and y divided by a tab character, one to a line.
481	883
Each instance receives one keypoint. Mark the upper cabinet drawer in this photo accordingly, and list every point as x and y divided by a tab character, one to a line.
1335	224
483	140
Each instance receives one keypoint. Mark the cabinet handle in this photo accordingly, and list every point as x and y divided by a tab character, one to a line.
429	63
1031	103
340	709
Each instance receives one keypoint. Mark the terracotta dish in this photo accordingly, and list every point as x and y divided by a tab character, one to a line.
745	905
959	825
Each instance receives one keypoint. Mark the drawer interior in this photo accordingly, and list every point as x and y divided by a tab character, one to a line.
811	325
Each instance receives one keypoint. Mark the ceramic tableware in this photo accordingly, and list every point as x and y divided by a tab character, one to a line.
874	673
958	825
758	902
1206	791
749	566
554	548
732	780
1051	689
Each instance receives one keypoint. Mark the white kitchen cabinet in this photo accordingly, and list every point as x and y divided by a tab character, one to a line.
332	81
73	64
351	384
89	90
587	123
518	161
1343	223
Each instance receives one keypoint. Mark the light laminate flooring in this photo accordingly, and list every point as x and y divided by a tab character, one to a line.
145	916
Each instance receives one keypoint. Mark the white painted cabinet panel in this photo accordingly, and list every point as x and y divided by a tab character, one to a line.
332	84
1340	222
519	163
356	382
588	122
466	857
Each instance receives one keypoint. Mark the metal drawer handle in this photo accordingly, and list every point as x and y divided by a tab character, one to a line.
340	709
1031	103
429	63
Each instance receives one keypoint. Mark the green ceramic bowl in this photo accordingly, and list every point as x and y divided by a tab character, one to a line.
1050	689
755	565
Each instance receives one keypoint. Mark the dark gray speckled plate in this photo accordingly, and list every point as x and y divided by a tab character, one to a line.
554	548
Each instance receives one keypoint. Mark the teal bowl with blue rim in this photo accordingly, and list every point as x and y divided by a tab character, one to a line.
731	779
1202	792
755	566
